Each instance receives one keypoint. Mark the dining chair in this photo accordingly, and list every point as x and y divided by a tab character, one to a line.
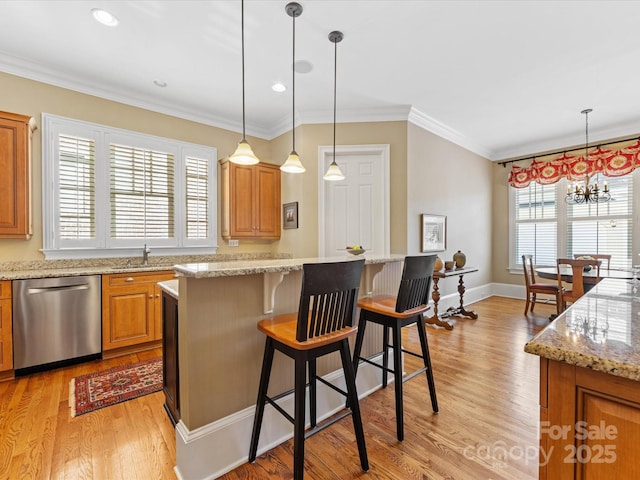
597	256
322	325
394	313
577	282
534	288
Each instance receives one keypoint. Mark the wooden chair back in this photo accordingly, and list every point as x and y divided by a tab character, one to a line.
415	283
328	297
597	256
577	282
529	272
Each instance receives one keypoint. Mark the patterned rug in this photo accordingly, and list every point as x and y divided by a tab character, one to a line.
119	384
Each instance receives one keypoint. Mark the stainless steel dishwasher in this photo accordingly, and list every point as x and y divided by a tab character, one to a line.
56	321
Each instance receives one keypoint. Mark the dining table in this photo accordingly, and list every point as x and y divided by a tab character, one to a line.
589	278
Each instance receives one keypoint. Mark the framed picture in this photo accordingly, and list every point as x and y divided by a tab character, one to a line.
290	215
434	233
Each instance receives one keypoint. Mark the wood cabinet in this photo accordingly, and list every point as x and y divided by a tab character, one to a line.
15	180
171	372
250	200
132	310
6	334
589	423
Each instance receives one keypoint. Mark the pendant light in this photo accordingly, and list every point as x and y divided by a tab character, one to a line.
334	173
293	163
244	154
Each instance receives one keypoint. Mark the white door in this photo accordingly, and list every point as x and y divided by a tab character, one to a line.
354	211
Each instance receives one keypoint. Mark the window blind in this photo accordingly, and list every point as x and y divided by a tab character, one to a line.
604	227
536	214
197	173
142	193
76	194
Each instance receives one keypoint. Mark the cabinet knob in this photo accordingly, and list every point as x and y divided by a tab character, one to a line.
150	296
129	279
157	295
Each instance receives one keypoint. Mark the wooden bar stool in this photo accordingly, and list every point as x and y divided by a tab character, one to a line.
393	313
323	324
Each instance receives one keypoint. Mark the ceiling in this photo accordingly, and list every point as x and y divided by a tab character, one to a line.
502	79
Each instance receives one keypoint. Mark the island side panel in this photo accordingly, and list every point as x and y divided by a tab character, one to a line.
221	348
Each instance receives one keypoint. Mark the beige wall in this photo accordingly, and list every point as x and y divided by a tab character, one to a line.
500	252
445	179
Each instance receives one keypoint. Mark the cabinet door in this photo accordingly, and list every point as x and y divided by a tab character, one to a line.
128	316
6	337
243	201
171	375
15	212
267	208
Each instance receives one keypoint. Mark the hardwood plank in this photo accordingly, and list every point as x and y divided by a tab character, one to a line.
487	390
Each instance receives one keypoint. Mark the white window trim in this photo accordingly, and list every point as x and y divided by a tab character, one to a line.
561	213
103	247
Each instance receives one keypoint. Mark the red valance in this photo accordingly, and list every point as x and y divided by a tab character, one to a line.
610	161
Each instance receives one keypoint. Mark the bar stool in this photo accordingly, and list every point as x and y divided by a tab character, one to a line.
323	324
393	313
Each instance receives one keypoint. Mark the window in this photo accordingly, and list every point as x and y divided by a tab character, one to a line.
545	226
107	192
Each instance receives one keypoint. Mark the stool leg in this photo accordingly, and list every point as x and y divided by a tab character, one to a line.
312	392
385	354
267	361
299	417
357	348
422	333
352	394
397	375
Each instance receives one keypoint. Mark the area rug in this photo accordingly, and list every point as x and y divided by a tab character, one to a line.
119	384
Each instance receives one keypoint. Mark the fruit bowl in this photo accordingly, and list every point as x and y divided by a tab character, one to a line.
356	251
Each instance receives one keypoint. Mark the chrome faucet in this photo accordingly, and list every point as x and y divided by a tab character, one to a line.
145	255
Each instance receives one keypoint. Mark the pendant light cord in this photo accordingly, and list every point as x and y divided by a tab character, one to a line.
242	28
335	81
293	86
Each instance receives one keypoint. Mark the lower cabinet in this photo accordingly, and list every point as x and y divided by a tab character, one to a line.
6	333
589	423
171	377
132	310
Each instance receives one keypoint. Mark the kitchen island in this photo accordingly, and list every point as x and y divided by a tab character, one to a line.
590	386
220	354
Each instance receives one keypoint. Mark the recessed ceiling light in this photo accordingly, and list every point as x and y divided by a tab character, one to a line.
160	83
104	17
278	87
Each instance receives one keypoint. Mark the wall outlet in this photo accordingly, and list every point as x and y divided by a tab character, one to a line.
234	243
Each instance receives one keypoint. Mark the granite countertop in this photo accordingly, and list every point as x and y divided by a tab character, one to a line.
101	266
170	286
252	267
601	331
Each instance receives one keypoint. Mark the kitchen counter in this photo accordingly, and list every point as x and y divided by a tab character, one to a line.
102	266
600	332
589	388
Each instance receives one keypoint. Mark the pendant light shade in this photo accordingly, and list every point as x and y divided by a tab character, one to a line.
244	154
293	163
333	172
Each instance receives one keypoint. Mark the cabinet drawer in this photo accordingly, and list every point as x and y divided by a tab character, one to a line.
5	289
138	277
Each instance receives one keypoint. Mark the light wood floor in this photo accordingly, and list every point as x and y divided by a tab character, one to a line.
487	393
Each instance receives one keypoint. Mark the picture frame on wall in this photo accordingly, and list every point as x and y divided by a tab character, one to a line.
434	233
290	215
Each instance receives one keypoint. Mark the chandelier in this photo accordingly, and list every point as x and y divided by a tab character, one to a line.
587	193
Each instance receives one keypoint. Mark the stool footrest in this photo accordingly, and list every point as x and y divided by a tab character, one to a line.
413	374
370	362
279	408
412	353
327	423
331	385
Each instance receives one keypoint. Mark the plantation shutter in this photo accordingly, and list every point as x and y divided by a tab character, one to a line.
197	181
142	193
604	227
536	223
76	195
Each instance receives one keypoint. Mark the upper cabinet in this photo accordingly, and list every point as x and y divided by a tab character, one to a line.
250	200
15	195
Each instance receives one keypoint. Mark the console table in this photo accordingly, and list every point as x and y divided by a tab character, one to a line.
436	319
